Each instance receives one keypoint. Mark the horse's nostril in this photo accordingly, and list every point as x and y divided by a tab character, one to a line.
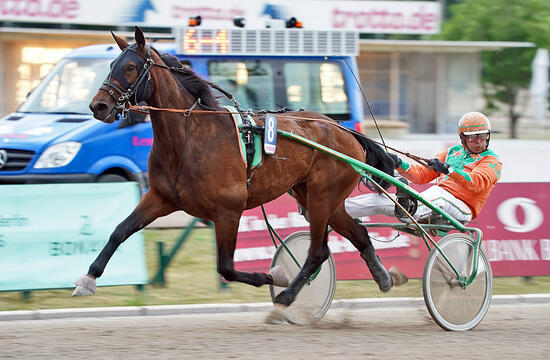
99	107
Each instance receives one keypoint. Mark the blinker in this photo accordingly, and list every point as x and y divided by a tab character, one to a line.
140	91
117	72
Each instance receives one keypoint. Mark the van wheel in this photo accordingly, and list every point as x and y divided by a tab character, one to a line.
107	178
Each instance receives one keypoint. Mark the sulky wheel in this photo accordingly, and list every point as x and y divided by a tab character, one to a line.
315	298
452	306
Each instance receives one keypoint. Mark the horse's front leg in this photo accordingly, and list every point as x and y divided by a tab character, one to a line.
226	227
151	206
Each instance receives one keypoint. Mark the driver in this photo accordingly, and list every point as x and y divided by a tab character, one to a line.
465	174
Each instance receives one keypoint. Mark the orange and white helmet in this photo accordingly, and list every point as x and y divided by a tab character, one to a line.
473	123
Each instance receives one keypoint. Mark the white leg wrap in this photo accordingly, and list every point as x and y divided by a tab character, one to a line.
279	276
277	315
85	286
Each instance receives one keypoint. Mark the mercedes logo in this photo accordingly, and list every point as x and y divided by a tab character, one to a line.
3	158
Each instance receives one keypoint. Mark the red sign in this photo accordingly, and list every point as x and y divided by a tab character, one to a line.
516	239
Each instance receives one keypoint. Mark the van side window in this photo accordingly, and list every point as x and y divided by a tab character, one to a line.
316	86
251	83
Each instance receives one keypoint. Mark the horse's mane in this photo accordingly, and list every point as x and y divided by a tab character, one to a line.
189	81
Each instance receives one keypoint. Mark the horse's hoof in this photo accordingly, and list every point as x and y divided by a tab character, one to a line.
285	298
380	274
276	316
385	284
279	276
82	291
85	286
397	276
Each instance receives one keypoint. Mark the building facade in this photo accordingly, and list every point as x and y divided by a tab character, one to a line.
419	86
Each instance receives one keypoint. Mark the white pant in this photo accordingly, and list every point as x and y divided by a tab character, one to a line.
375	204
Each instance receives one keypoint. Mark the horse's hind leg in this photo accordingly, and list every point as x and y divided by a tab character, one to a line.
318	252
151	206
226	227
314	260
344	225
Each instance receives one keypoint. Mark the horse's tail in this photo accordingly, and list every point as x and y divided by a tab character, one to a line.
377	157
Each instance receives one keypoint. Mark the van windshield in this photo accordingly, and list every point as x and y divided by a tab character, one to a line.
68	88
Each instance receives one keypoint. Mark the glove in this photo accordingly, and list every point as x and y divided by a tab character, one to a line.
439	166
396	160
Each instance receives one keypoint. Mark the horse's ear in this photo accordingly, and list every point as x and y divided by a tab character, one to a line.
140	38
122	44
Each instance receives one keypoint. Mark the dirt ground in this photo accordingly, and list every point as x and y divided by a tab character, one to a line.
507	332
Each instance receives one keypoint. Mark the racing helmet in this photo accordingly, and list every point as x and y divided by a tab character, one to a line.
474	123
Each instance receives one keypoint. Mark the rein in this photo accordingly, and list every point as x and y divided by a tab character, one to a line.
145	109
124	97
418	159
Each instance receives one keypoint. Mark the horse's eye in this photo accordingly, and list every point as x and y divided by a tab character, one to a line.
131	68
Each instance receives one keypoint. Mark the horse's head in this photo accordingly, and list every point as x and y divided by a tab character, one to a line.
128	82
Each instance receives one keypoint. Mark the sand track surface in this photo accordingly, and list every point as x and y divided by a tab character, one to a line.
507	332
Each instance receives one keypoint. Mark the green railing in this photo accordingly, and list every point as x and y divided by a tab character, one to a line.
165	257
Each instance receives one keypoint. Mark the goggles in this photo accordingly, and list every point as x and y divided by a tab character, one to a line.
476	137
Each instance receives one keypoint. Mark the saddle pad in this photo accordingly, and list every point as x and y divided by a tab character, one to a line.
257	138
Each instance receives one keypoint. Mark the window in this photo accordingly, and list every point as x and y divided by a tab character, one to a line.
375	79
274	84
384	78
251	83
36	62
69	87
315	86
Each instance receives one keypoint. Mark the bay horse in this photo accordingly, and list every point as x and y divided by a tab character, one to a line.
195	165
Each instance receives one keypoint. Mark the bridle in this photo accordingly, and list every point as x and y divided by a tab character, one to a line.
123	95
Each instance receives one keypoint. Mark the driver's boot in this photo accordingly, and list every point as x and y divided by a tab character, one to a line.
409	203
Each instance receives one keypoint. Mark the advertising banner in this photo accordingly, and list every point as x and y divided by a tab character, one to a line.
403	17
51	233
516	238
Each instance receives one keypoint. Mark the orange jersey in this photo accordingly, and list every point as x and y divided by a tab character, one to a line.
472	179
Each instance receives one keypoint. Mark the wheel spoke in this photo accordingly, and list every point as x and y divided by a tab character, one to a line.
451	305
315	298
